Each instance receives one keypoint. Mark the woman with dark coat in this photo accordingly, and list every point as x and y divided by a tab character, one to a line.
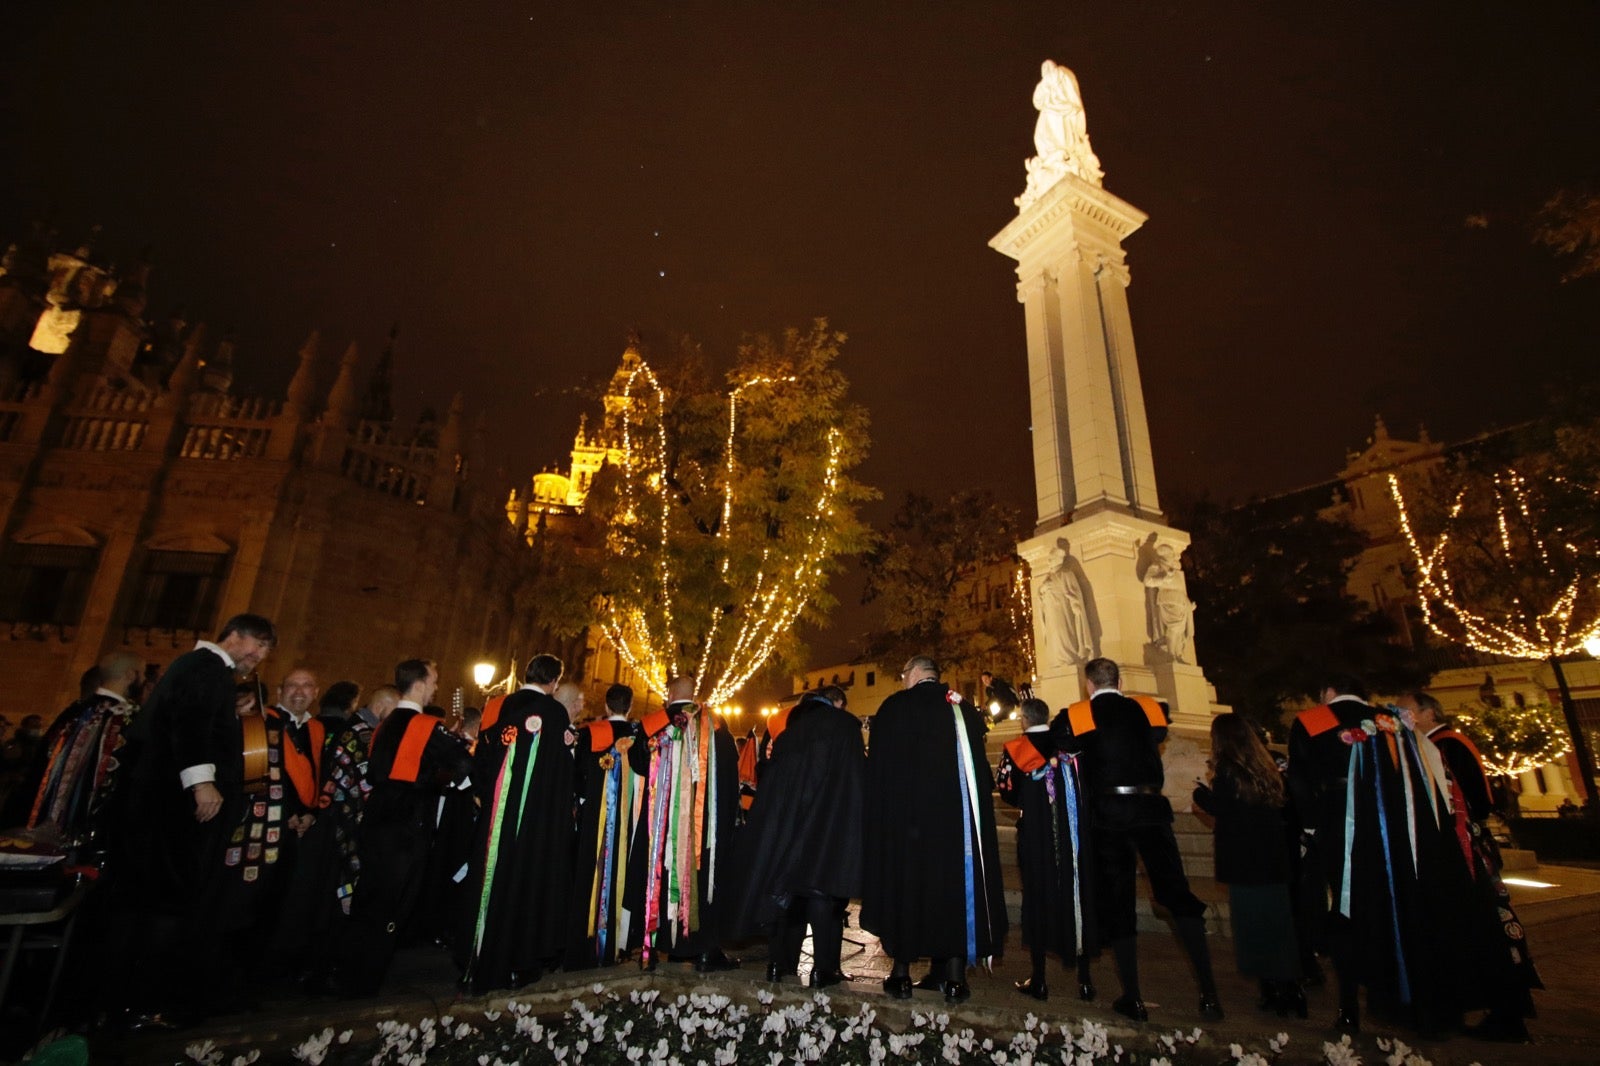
1246	798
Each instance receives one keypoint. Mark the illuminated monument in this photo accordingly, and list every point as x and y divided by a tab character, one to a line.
1106	573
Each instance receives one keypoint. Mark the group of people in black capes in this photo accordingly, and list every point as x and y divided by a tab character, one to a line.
1368	844
304	843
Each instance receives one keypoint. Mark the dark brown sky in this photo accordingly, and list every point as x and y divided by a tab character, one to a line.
518	184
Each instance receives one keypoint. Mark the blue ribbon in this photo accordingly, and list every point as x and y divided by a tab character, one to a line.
1069	780
966	836
1388	870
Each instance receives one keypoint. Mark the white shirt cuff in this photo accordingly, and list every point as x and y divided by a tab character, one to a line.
204	773
464	784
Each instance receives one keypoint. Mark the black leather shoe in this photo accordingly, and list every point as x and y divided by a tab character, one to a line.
1500	1030
1033	987
1348	1022
1292	1000
898	987
931	982
957	991
649	965
828	980
715	962
1086	991
1210	1007
1129	1007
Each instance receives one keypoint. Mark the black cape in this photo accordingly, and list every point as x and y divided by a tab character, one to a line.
1052	869
170	863
803	833
521	862
711	881
604	784
396	836
914	882
73	774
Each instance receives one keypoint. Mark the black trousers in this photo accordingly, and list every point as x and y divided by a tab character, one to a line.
392	862
1117	853
825	916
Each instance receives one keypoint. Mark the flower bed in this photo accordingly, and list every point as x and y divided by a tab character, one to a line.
708	1029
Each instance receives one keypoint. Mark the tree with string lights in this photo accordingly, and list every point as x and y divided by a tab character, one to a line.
1513	738
730	509
1511	567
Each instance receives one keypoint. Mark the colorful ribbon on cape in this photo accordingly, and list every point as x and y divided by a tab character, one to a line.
497	817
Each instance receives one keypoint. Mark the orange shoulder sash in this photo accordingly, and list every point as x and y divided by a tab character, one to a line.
408	757
1024	755
1318	720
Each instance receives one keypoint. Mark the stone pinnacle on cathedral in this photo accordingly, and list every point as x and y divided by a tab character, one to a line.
378	405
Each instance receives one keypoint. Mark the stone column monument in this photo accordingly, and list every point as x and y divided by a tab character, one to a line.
1107	576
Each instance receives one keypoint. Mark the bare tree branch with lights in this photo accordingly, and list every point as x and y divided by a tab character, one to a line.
1511	568
729	511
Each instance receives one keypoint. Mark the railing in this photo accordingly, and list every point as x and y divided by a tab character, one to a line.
106	400
210	406
94	425
225	442
375	471
400	468
93	434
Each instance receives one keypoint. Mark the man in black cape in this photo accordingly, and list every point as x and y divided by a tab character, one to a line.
184	796
1469	914
931	885
687	752
1052	843
1348	764
521	863
64	793
800	854
1118	739
608	794
413	758
313	905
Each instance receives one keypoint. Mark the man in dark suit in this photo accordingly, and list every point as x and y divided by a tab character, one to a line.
185	793
1118	741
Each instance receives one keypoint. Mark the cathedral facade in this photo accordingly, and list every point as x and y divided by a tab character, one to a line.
142	502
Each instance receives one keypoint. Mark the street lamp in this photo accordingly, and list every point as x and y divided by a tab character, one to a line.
483	675
1592	646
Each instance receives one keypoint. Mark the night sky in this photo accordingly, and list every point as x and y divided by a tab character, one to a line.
1339	195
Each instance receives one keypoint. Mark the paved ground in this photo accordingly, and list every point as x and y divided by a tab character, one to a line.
1564	930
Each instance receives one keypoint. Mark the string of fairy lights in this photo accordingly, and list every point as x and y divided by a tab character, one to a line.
1564	627
1021	609
789	574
